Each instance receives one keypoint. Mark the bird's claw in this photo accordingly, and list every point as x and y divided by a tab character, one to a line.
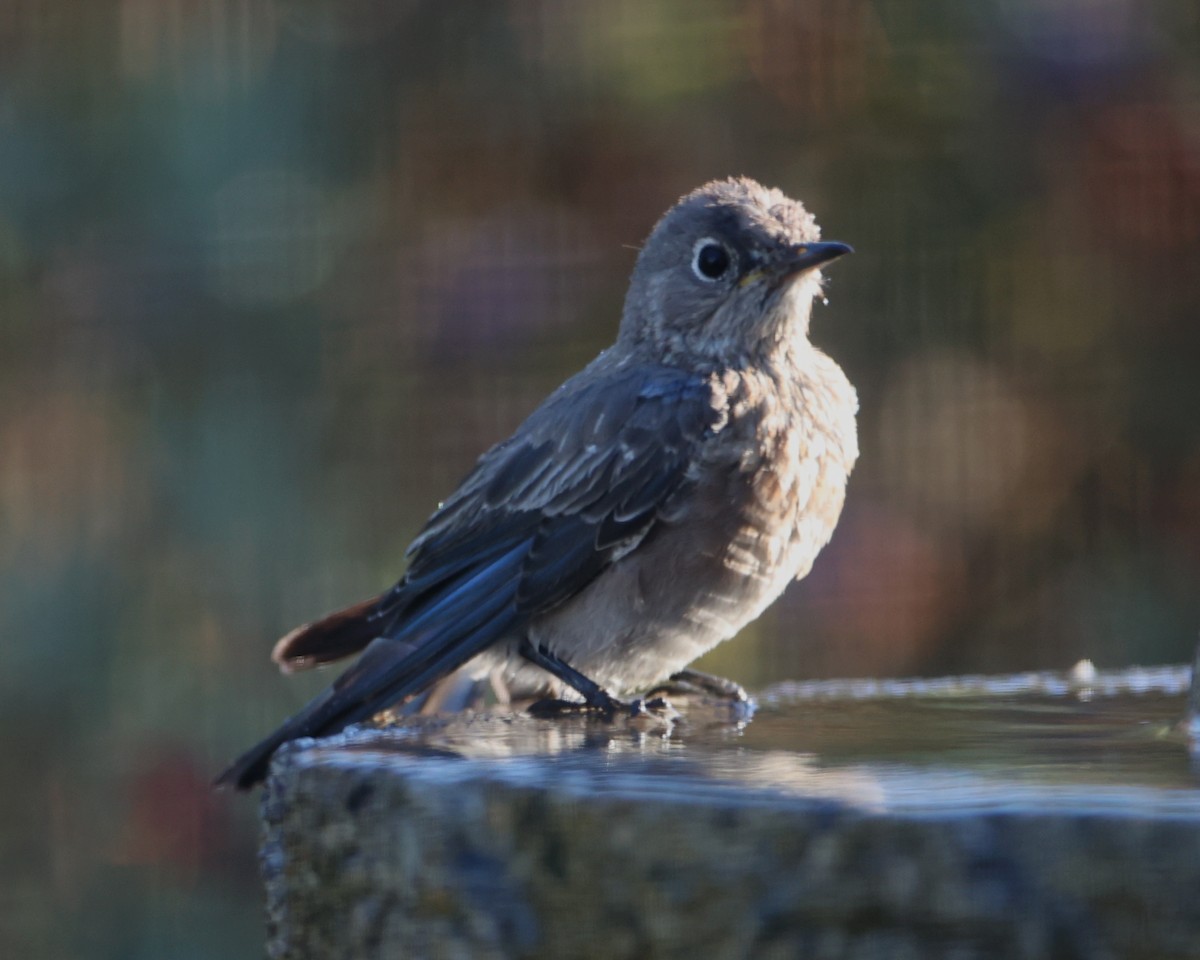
551	707
657	709
707	684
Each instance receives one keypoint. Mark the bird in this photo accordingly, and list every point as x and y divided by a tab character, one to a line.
652	506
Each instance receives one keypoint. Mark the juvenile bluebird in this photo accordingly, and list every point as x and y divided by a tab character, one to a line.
652	506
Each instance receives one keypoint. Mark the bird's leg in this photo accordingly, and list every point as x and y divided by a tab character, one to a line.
694	681
593	694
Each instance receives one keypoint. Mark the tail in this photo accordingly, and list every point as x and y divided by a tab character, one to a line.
338	635
454	694
474	610
389	672
251	767
337	707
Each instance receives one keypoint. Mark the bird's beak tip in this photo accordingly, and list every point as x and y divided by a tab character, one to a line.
806	256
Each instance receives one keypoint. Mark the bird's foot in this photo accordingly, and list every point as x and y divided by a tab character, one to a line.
656	710
694	682
551	707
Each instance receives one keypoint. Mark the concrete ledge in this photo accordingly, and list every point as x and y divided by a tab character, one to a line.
574	839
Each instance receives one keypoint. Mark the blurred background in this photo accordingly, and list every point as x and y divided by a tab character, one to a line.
274	272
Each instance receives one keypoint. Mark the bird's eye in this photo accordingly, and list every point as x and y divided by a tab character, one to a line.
710	260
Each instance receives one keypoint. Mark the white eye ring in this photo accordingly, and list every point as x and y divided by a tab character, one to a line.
711	259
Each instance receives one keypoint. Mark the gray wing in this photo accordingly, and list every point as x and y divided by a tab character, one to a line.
581	483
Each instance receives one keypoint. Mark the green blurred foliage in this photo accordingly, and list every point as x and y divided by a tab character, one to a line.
273	273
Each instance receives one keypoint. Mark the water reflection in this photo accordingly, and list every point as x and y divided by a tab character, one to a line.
1020	742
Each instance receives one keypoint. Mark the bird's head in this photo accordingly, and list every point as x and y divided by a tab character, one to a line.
729	272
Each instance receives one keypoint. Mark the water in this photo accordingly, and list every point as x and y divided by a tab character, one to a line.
1112	744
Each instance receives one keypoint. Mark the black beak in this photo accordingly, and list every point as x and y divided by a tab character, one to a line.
805	256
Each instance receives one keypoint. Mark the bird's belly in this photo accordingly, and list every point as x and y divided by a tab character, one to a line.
703	575
675	599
